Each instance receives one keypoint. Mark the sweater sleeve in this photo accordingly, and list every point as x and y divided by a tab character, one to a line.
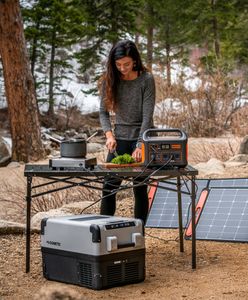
148	105
104	114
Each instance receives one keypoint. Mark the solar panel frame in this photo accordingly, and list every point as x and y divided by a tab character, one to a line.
228	182
164	209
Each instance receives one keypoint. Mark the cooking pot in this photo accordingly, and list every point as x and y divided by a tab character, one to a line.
72	148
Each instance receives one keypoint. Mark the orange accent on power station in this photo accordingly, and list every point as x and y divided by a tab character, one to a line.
142	152
176	146
198	210
187	151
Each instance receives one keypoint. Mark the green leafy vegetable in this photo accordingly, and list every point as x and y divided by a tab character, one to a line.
123	159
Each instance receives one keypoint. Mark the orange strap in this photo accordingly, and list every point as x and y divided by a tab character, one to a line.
198	210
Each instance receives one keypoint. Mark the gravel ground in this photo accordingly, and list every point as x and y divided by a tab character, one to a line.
221	272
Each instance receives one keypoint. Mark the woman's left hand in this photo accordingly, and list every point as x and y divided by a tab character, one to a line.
137	155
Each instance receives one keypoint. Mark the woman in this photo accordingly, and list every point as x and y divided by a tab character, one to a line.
128	90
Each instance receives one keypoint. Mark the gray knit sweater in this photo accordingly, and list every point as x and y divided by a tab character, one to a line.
135	106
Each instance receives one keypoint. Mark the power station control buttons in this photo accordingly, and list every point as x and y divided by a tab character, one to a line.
165	146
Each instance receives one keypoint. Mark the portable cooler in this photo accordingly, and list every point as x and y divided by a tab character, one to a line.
94	251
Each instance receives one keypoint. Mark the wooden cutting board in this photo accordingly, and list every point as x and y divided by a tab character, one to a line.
111	165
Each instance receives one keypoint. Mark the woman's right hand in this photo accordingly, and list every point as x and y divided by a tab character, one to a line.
111	141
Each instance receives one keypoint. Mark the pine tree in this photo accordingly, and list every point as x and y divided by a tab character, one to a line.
164	24
107	21
221	27
53	27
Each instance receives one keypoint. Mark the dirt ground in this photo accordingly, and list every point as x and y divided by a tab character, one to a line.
221	271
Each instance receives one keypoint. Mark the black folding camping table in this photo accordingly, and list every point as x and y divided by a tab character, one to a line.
93	179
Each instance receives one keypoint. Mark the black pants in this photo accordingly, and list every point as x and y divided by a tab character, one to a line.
108	204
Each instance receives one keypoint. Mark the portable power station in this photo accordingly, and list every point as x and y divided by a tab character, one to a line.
165	148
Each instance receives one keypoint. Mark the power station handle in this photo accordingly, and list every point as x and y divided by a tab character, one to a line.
126	245
154	130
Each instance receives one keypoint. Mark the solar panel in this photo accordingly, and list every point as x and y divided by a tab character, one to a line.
164	209
231	182
225	215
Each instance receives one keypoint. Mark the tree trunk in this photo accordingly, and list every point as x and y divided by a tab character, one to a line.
34	49
136	39
50	111
19	85
33	61
150	29
114	23
168	64
150	47
215	31
168	58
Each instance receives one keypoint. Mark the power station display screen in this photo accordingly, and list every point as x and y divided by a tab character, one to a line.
165	146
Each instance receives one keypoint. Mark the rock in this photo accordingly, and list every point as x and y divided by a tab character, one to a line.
8	227
13	165
36	219
233	164
213	166
5	153
76	207
53	153
243	149
71	133
239	158
58	292
66	210
94	147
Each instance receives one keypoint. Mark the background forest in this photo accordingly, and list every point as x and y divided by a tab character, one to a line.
196	49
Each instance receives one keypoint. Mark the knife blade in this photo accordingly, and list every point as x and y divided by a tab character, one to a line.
115	153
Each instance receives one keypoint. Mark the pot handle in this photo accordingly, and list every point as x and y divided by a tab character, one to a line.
95	133
53	139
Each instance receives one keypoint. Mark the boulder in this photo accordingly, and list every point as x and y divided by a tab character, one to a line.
68	209
239	158
5	152
243	149
76	207
233	164
94	147
14	165
8	227
36	219
213	166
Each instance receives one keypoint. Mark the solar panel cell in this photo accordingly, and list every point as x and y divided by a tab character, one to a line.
225	215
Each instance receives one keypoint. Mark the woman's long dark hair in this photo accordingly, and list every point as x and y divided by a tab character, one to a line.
112	76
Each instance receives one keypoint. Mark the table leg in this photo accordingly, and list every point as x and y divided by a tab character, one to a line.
193	196
180	218
28	215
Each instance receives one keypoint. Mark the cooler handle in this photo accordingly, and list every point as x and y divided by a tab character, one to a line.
126	245
112	243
